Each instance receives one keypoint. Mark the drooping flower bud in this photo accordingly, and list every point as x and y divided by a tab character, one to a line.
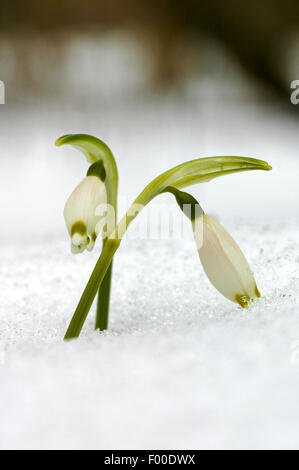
224	263
80	209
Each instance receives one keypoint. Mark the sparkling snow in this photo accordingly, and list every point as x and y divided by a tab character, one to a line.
181	367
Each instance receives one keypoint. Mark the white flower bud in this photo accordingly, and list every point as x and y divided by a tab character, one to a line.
225	265
80	213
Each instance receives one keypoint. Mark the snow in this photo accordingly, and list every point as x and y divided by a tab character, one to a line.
181	366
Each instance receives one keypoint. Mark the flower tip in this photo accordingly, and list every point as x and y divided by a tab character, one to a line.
268	167
76	249
244	300
62	140
257	292
78	239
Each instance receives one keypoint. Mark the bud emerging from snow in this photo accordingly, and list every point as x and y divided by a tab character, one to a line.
224	263
80	209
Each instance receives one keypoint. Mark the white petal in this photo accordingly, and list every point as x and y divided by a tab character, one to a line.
80	209
90	245
77	249
198	231
225	265
78	240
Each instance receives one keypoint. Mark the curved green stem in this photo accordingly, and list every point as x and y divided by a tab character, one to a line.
183	175
201	170
102	315
96	150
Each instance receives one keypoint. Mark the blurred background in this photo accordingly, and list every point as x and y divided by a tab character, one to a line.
161	82
103	50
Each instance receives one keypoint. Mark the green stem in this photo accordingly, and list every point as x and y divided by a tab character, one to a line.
104	301
195	171
102	315
91	289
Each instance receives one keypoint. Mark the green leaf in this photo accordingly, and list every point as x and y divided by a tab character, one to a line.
96	150
93	148
186	174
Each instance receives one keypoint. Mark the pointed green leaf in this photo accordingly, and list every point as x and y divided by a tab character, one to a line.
195	171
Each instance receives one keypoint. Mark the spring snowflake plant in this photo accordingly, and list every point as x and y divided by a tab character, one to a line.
91	210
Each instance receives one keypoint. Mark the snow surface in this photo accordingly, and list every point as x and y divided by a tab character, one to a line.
181	367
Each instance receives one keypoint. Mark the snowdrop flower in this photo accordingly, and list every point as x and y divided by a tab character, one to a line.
80	209
224	263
